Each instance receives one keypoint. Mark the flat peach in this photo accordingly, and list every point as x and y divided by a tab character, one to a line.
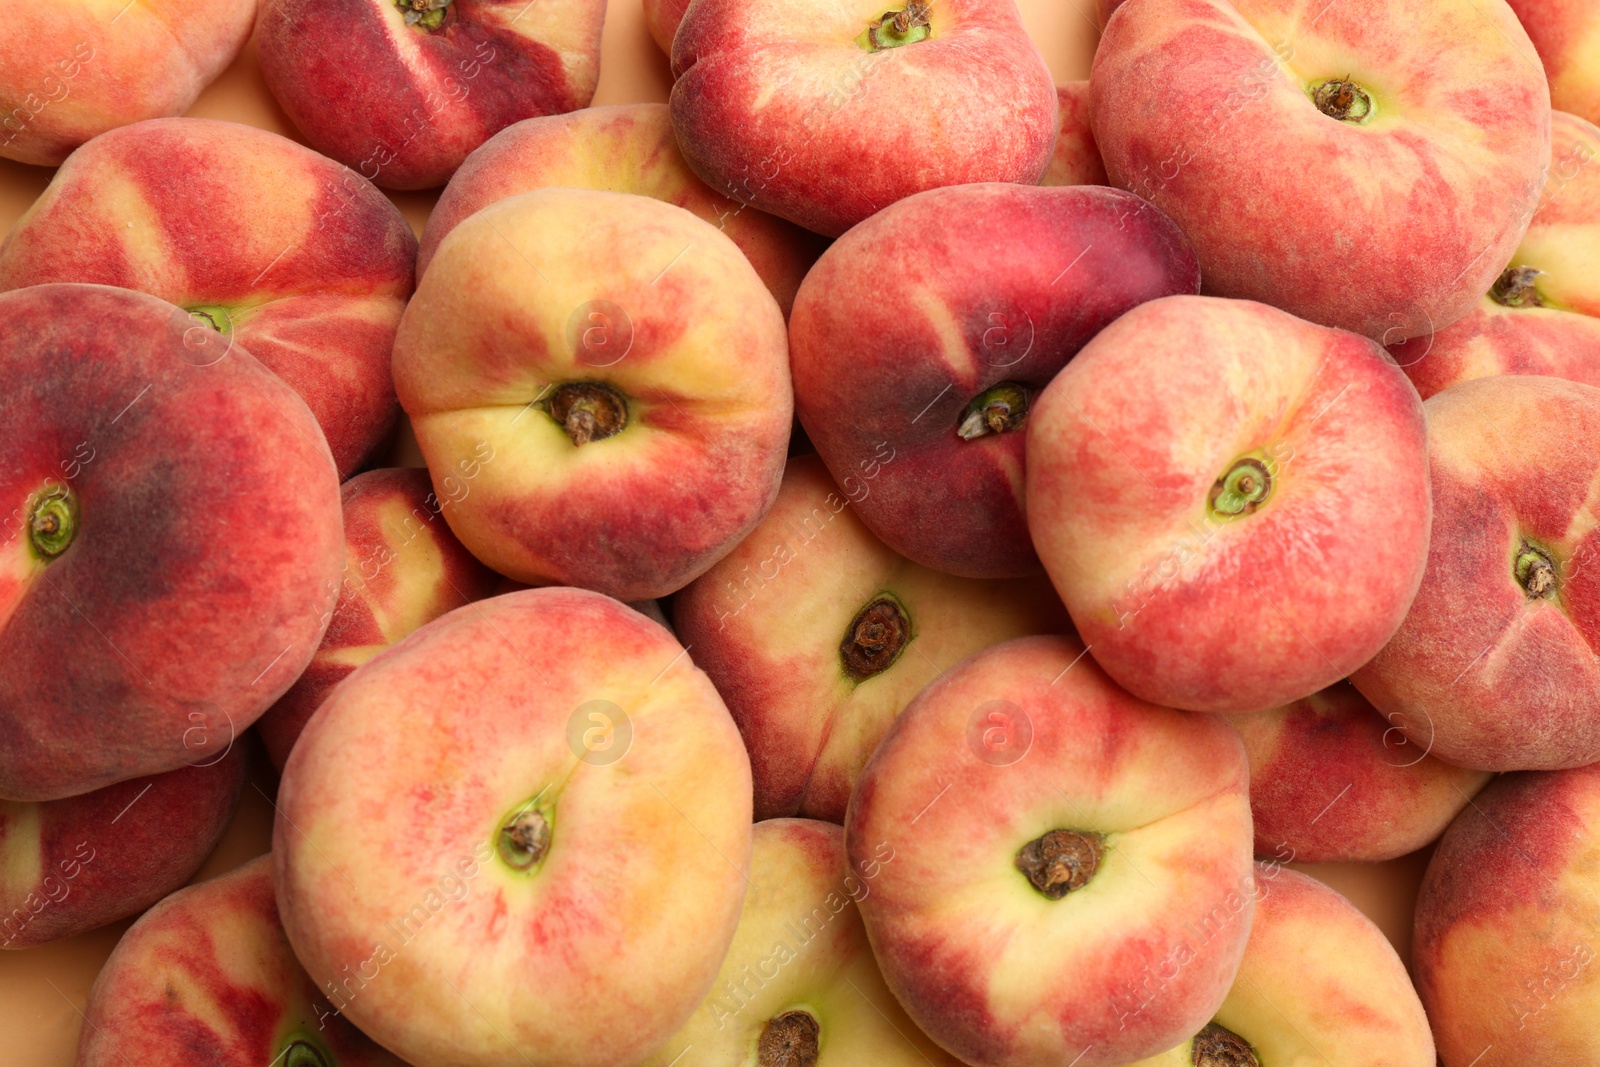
1319	984
817	634
522	834
1504	949
169	527
1494	665
402	568
82	67
298	259
627	148
1072	880
207	976
609	377
1331	780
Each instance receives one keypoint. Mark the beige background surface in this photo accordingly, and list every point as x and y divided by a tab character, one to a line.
43	990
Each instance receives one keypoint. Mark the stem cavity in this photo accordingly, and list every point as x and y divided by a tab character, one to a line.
524	839
895	28
1517	288
995	410
1535	571
1061	861
1241	490
53	521
587	411
1342	99
429	14
1217	1046
875	638
789	1040
303	1054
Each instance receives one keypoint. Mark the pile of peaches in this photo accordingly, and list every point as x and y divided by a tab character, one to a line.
907	552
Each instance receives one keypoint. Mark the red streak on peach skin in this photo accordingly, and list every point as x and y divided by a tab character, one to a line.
640	891
950	920
1332	780
207	976
1076	160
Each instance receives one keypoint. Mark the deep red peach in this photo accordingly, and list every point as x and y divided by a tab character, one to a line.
922	338
1331	780
824	113
207	976
404	102
169	521
78	863
297	258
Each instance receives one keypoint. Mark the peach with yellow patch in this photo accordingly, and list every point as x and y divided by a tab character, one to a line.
1542	316
594	804
799	985
403	90
1072	880
817	634
77	68
1232	502
207	976
1076	160
1364	166
1494	665
1566	34
1331	781
616	371
298	259
661	18
402	568
1319	984
1504	949
626	148
80	862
